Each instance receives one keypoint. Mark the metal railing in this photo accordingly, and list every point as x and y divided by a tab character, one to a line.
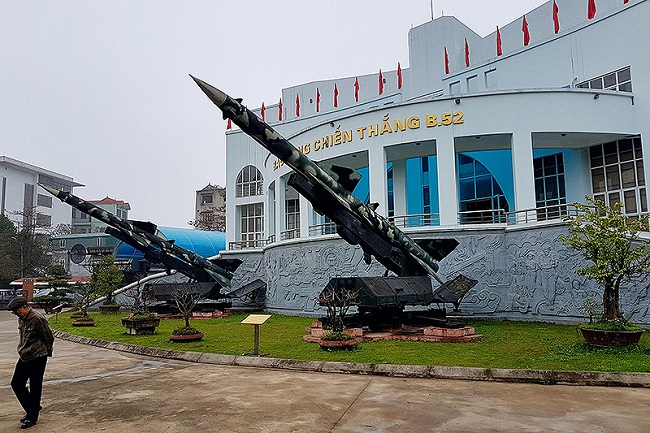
322	229
483	216
416	220
290	234
251	244
545	213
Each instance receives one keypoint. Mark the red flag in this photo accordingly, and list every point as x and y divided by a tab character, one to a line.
524	28
297	106
499	49
625	1
356	89
336	96
399	76
229	125
262	111
556	17
317	100
381	83
446	61
280	110
466	53
591	9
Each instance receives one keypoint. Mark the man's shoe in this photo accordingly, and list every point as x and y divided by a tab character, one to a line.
26	417
28	423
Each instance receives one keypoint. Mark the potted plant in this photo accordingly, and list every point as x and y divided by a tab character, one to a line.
140	321
107	278
609	240
338	301
185	301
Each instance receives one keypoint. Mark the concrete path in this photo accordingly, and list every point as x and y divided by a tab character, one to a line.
89	389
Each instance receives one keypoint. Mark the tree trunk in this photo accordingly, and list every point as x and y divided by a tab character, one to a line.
611	310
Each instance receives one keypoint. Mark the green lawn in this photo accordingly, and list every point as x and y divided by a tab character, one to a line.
518	345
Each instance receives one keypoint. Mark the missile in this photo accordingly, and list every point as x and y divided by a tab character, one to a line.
145	237
357	222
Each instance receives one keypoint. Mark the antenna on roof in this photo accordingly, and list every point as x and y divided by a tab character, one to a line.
432	14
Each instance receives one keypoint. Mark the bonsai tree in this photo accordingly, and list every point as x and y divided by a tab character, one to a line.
141	296
610	241
86	294
107	278
186	300
338	301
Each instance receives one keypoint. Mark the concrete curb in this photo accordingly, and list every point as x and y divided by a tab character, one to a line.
544	377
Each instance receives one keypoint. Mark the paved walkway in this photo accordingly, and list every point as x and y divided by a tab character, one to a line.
90	389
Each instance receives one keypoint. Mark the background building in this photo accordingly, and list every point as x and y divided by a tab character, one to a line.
210	210
20	194
487	140
83	223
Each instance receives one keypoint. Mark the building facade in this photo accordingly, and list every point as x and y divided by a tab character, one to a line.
21	197
84	223
210	208
487	140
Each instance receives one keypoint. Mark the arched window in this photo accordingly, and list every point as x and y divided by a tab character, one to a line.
249	182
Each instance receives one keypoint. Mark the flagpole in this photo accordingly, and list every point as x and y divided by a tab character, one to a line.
432	14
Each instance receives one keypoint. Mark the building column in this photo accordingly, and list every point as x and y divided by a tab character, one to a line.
523	170
377	174
399	187
447	183
305	216
280	194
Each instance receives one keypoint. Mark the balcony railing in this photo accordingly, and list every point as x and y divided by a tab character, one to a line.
485	216
416	220
546	213
251	244
322	229
290	234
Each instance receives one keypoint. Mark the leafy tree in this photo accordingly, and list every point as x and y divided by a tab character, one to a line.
106	278
610	241
31	243
9	266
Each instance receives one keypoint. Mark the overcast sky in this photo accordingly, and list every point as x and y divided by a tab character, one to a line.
99	90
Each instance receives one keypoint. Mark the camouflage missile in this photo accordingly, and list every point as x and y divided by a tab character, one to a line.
325	183
143	237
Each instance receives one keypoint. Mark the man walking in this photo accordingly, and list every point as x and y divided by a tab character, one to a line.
36	341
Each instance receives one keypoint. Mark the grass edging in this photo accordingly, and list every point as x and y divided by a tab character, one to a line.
544	377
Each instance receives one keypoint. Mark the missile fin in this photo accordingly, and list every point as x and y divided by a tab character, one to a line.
145	226
437	248
347	177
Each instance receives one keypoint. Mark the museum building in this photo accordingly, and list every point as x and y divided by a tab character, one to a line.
484	139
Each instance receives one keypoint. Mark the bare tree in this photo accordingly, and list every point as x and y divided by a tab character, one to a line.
338	301
186	300
211	219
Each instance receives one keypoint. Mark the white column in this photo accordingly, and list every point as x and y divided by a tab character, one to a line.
399	187
305	216
377	174
280	194
523	170
447	183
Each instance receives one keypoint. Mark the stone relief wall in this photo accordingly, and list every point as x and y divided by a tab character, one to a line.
523	274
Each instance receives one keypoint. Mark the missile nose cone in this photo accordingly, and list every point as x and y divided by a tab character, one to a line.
215	95
55	192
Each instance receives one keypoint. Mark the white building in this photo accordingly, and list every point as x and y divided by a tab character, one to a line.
484	145
20	194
